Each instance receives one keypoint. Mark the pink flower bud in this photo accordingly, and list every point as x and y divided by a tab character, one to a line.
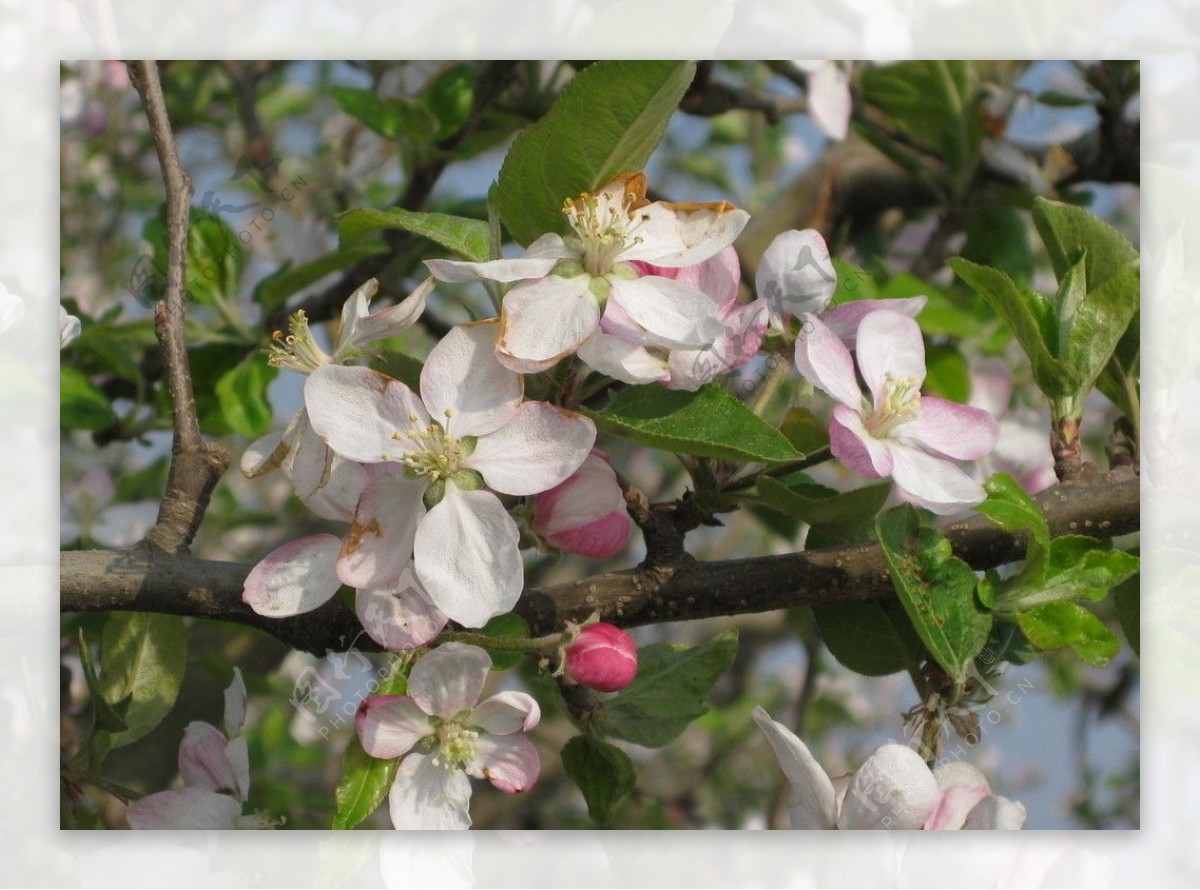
603	657
585	513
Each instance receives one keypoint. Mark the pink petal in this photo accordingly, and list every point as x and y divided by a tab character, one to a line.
400	616
599	539
202	760
812	804
857	449
684	234
844	320
362	414
379	543
511	763
296	578
389	725
825	362
465	389
184	808
546	320
718	277
537	449
486	575
676	314
428	797
950	429
893	790
934	482
889	344
962	787
507	712
449	679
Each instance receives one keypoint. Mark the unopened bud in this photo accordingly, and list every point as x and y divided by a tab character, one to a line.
585	513
603	657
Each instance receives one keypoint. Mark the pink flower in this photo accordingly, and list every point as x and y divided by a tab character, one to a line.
445	737
603	657
585	513
894	430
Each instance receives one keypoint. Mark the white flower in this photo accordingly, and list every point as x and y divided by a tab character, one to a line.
893	789
68	327
445	737
301	454
569	283
467	429
215	768
895	431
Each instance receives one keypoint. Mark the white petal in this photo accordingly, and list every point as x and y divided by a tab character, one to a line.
308	461
507	712
379	543
825	362
676	314
856	448
889	344
69	326
829	100
400	616
465	389
202	760
449	679
264	455
950	429
394	319
540	447
359	412
893	790
389	725
622	359
812	804
684	234
511	763
486	575
429	797
996	813
545	320
237	753
962	786
795	275
296	578
935	482
338	497
184	808
355	308
235	704
542	256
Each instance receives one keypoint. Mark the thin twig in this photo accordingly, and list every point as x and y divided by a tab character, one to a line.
195	465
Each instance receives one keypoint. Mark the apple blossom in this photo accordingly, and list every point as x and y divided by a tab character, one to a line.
893	789
603	657
585	513
465	436
445	737
304	458
68	328
895	431
215	768
829	103
570	284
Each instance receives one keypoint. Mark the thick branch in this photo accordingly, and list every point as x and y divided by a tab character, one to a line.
100	581
195	465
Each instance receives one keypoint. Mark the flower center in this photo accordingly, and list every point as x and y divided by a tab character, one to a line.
298	351
437	454
605	227
899	403
455	743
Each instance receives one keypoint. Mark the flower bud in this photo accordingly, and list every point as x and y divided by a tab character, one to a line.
603	657
585	513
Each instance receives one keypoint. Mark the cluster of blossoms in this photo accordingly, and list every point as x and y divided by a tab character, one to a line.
426	480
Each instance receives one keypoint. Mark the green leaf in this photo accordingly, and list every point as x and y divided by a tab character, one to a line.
81	405
509	626
1010	507
466	237
935	102
1128	600
804	431
866	637
1100	320
364	784
242	395
706	423
1069	231
998	235
215	259
273	291
946	373
107	717
603	772
1032	319
608	120
936	588
142	657
1054	625
817	505
390	118
450	98
670	691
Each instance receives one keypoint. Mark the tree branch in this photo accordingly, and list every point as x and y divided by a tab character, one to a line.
195	464
147	581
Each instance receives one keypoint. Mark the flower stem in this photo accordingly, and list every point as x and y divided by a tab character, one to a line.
502	644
